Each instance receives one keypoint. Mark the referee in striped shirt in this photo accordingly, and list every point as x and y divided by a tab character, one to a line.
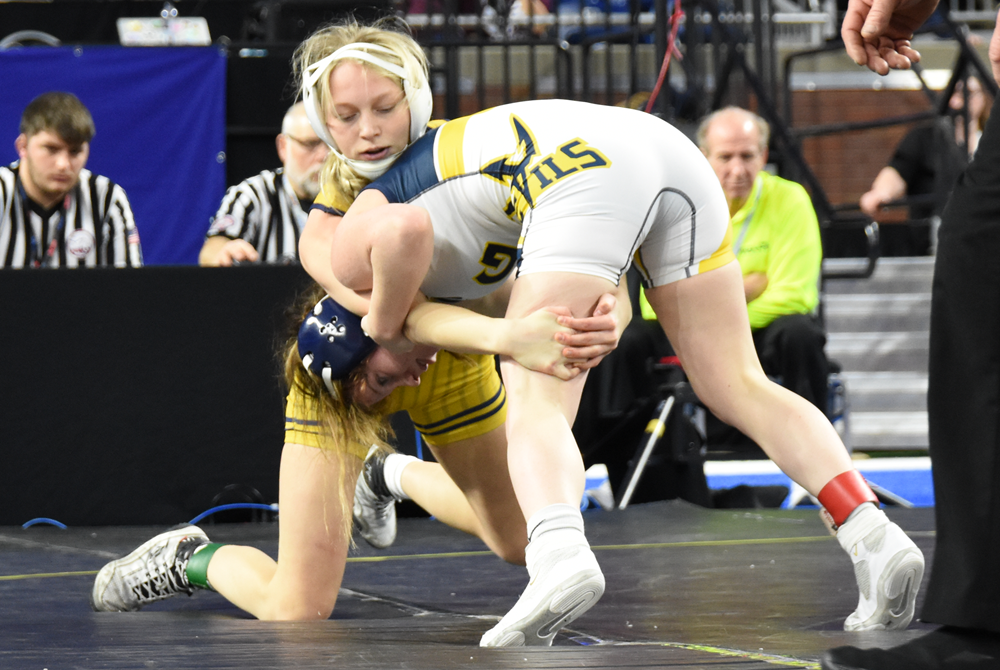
54	213
261	218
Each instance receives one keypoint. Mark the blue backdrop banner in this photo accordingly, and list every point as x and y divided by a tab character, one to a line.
160	115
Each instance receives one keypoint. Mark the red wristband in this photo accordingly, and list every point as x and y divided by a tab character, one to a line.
844	493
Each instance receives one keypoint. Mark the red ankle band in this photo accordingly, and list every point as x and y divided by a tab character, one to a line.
844	493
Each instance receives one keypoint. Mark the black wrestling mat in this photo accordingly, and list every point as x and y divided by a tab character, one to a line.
686	588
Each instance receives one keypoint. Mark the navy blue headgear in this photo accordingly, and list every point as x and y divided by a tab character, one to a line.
331	341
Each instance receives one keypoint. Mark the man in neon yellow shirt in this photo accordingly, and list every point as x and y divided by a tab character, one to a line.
776	238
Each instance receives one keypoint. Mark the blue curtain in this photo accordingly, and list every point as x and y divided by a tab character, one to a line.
160	115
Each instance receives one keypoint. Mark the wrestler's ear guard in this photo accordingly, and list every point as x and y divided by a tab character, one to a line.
415	86
332	342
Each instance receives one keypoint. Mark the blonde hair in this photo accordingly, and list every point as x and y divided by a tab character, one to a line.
343	422
386	32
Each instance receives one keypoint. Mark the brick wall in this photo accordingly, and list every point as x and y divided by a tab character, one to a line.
846	163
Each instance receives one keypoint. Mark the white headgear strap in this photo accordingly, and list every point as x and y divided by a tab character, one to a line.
418	97
327	374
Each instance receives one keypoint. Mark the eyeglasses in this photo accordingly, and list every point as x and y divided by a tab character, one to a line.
308	145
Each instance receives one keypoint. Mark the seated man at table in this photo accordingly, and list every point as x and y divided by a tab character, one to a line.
261	218
54	213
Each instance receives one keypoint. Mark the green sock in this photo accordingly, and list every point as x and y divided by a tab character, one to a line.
197	567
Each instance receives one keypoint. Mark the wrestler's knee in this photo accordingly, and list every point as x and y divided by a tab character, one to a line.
304	607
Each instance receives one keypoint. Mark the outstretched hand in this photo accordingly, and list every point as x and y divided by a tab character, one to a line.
877	33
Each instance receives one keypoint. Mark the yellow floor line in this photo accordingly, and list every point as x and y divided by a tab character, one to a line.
754	656
40	575
464	554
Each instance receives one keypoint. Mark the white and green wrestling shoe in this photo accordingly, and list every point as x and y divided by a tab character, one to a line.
155	571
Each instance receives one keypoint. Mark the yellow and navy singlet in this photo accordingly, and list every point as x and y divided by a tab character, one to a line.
458	398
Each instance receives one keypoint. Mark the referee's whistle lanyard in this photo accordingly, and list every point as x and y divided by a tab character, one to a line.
38	258
749	217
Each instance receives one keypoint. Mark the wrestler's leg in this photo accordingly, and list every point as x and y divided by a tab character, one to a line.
428	485
475	493
312	546
705	318
545	463
547	473
312	550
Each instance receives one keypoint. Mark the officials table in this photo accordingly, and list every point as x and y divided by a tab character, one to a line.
137	396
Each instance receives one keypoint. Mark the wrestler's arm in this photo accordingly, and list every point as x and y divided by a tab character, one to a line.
529	340
377	249
314	253
593	337
548	340
396	242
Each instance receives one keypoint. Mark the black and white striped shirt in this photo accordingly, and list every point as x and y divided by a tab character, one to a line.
264	211
92	227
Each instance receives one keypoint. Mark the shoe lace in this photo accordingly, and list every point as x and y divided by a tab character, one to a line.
163	577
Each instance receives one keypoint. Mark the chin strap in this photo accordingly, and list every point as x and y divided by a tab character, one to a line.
370	170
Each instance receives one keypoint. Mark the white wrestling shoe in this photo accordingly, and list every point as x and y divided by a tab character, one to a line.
374	505
889	568
154	571
569	582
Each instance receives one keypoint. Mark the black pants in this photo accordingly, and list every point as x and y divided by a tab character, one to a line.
963	398
791	347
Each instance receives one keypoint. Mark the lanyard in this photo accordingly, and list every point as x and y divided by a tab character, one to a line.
748	219
38	258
